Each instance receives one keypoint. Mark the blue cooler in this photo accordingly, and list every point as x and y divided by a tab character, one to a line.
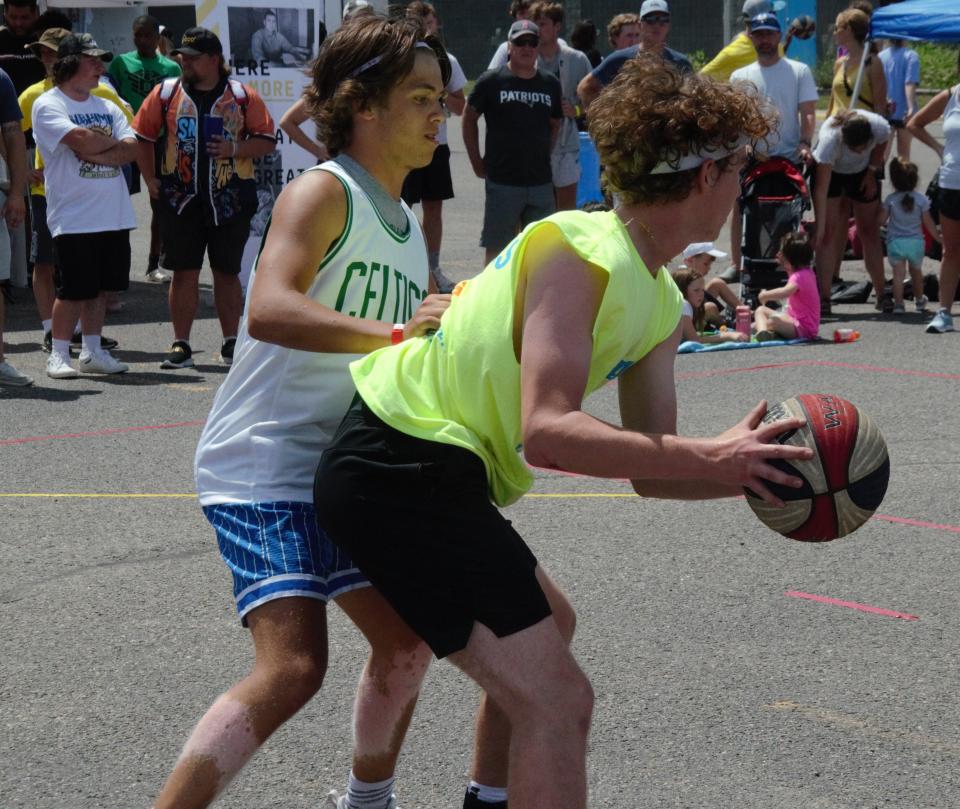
588	189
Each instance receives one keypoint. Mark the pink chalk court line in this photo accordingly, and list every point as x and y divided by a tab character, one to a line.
876	369
953	529
111	431
853	605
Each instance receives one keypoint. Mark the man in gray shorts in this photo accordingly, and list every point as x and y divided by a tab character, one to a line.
522	109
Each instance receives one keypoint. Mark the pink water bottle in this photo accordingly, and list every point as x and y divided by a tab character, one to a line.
743	320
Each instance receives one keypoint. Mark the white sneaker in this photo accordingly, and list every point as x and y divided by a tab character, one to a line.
11	376
101	362
942	322
921	303
337	801
159	276
59	367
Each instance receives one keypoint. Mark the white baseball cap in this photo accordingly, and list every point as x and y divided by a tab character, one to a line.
751	8
351	7
651	6
697	248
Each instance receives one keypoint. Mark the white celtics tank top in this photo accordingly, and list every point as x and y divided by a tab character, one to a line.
278	408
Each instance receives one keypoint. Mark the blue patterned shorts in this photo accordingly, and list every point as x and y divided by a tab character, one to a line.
277	550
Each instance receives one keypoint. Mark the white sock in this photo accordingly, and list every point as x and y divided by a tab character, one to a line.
487	794
361	795
62	347
91	344
47	325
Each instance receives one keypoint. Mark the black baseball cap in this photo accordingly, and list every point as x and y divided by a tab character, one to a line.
199	41
82	44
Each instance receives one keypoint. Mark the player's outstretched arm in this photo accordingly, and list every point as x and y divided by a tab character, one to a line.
716	467
308	218
560	302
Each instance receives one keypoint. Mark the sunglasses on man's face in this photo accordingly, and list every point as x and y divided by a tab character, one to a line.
526	42
657	19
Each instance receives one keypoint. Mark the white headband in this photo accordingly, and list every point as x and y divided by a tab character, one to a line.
694	159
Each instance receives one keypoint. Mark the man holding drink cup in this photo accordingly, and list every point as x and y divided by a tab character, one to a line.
211	128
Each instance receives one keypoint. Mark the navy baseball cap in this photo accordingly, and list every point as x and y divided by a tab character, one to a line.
523	28
764	22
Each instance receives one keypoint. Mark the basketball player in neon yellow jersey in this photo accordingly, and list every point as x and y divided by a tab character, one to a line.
576	300
343	261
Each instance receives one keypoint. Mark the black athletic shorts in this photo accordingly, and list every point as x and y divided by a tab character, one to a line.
432	182
41	243
848	185
186	237
417	520
948	202
131	173
86	264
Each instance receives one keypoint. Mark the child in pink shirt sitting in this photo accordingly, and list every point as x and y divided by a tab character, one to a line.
801	317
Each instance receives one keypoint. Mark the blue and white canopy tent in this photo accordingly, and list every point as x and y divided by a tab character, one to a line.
919	20
922	20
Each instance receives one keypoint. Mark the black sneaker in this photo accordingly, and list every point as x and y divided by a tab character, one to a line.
226	350
106	343
471	801
179	356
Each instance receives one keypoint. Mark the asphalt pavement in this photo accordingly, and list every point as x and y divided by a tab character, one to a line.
733	668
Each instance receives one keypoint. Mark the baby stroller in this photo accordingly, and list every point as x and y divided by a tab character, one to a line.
773	198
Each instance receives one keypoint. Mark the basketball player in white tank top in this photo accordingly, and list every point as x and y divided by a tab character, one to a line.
342	262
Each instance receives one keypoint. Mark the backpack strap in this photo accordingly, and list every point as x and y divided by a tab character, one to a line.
239	93
167	88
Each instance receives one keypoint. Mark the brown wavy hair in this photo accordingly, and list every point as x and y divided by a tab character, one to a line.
544	8
651	113
357	68
904	176
797	249
854	128
683	277
857	21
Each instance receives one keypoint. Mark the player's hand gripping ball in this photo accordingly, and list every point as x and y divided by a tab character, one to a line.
844	481
803	27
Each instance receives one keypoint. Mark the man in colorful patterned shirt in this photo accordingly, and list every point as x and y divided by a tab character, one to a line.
206	189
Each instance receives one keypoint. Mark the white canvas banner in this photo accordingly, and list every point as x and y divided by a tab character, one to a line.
270	48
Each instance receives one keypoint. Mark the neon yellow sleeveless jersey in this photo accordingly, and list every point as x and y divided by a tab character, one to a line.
461	385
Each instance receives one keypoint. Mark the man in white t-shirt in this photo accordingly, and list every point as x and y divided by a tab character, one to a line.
789	86
84	140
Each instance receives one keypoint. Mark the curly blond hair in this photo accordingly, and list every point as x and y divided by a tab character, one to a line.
652	113
618	23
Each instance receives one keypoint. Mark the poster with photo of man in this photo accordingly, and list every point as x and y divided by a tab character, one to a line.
270	49
278	37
